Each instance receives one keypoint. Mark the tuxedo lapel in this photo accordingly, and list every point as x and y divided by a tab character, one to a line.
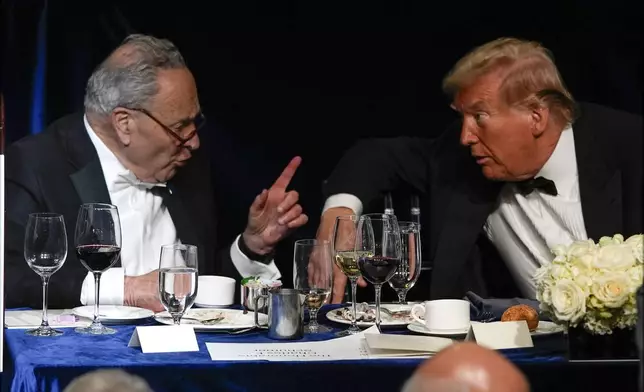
87	177
599	184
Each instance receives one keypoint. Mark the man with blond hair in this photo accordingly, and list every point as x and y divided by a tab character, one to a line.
525	168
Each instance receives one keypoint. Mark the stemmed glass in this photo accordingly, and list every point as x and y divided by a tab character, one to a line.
98	246
45	252
344	248
178	279
313	278
378	236
410	263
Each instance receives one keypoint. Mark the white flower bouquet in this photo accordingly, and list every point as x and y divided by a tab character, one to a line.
593	284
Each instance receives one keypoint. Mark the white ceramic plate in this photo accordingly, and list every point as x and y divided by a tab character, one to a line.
196	305
335	316
114	314
544	328
233	319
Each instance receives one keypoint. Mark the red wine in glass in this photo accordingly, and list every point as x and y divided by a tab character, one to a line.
98	258
378	269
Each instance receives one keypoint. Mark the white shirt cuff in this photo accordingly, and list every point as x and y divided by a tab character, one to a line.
343	200
247	267
111	288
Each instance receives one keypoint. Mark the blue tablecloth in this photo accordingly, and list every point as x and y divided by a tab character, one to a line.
49	364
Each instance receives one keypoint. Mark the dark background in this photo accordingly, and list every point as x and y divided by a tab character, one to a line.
282	78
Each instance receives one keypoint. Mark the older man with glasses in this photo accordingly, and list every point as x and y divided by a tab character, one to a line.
136	146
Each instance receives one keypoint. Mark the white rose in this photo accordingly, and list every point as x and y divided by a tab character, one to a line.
559	250
541	273
637	243
612	289
614	257
560	271
568	301
580	248
636	275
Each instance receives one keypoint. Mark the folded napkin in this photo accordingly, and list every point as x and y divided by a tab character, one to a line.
482	309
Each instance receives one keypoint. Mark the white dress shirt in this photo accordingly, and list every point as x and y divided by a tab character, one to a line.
146	225
525	228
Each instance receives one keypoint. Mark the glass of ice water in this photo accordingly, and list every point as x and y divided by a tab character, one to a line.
178	279
409	268
45	252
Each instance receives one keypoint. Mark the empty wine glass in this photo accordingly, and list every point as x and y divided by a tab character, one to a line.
45	252
98	246
178	279
344	248
313	277
410	263
379	251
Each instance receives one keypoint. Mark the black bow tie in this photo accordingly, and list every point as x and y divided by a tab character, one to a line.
526	187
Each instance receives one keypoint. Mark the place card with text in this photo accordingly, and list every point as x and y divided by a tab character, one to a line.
501	335
164	339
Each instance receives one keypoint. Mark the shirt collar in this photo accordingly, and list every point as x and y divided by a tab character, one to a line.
561	167
113	169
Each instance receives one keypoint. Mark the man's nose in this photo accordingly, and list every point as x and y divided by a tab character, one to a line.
467	136
193	143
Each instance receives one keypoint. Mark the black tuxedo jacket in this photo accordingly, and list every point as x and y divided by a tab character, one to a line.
459	198
58	170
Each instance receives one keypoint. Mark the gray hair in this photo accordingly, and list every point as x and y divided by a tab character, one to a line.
130	81
108	380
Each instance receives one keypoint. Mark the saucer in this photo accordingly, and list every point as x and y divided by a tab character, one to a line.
419	328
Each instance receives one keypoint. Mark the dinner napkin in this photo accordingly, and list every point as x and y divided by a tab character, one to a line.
482	309
400	346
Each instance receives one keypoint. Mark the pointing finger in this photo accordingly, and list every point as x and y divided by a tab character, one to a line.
287	175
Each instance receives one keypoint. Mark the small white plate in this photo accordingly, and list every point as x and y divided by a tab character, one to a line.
233	319
544	328
114	314
205	306
335	316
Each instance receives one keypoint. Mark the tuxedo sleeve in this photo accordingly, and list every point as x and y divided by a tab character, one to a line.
23	287
373	167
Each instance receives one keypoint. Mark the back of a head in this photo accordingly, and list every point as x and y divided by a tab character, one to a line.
467	367
128	77
528	72
110	380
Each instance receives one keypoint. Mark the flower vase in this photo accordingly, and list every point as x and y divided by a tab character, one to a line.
582	345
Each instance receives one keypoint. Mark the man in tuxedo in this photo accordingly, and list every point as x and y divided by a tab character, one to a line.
526	168
136	146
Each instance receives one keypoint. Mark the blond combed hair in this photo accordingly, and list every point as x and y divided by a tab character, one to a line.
529	76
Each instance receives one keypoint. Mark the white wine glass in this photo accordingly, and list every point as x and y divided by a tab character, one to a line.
45	250
178	279
346	259
313	278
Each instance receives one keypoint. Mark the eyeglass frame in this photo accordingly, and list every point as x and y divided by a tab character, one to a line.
182	141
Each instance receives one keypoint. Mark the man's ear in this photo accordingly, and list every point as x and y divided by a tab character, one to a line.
539	117
123	124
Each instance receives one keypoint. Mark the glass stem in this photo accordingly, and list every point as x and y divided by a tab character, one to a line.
354	311
377	287
176	319
313	318
97	287
45	285
402	296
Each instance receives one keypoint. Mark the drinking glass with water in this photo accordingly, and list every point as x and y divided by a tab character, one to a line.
408	270
45	252
178	279
313	277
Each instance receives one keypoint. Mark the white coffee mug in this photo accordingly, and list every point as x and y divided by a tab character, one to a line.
443	314
215	291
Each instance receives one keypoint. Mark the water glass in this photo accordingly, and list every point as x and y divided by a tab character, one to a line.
410	263
178	279
45	250
313	277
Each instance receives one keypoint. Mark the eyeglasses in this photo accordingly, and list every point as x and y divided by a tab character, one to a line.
198	121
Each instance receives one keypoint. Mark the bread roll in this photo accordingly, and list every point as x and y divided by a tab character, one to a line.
522	312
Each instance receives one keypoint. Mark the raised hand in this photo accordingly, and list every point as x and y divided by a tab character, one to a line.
274	213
